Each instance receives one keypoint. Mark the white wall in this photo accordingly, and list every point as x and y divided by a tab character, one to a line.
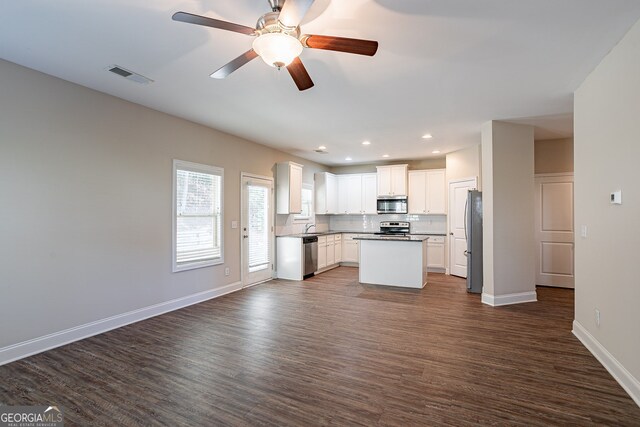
607	155
465	164
508	213
85	217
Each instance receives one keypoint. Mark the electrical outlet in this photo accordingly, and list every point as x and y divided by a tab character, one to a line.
597	317
583	231
227	271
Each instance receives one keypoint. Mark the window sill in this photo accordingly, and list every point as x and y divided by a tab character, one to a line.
196	265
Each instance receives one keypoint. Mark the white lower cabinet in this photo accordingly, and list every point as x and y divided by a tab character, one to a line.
350	248
338	248
436	254
328	255
322	252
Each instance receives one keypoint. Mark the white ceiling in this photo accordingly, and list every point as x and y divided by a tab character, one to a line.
443	66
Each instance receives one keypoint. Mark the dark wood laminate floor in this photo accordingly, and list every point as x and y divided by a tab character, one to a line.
332	351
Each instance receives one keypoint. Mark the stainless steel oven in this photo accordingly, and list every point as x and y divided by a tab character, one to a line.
394	228
392	205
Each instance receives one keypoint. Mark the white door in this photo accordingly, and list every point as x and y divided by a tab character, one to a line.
457	234
554	230
257	229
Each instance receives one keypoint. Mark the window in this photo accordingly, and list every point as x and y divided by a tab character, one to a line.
197	215
307	205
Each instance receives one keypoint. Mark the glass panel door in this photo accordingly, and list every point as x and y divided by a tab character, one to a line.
257	230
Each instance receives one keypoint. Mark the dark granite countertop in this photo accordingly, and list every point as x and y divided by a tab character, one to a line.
410	238
372	233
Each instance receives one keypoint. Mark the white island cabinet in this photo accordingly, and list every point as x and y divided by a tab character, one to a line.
393	261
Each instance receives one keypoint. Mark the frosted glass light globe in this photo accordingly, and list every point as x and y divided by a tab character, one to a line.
277	49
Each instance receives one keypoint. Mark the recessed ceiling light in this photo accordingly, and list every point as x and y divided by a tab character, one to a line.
322	147
366	143
435	152
385	156
348	159
427	136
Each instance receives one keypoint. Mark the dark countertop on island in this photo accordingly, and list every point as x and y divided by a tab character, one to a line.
410	238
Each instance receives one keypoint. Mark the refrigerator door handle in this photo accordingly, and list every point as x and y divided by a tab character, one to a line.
466	204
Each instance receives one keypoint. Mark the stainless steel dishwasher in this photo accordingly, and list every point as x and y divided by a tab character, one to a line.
310	245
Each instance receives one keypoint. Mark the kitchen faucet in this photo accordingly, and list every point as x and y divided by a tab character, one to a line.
307	227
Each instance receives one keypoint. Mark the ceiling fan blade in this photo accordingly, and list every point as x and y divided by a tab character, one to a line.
293	11
299	74
229	68
214	23
341	44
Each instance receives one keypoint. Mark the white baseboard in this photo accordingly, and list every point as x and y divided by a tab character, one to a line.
508	299
57	339
629	383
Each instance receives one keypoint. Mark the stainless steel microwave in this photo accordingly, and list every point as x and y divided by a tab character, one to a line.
392	205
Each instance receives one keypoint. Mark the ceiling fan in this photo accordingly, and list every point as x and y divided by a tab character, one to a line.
279	41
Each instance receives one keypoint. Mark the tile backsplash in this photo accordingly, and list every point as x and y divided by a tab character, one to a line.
436	224
285	224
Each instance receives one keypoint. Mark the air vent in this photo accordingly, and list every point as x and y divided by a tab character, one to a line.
129	75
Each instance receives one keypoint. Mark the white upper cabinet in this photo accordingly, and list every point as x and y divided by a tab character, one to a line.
357	193
369	193
427	192
288	188
392	180
326	193
436	191
354	193
417	192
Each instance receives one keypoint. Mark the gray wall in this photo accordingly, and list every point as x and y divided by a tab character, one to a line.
464	164
508	209
419	164
607	151
554	156
85	217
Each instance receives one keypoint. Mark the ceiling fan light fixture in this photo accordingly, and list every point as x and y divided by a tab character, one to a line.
277	49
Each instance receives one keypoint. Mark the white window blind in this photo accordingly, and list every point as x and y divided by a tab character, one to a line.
258	229
198	215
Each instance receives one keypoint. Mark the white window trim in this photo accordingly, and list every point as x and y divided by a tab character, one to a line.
312	213
195	167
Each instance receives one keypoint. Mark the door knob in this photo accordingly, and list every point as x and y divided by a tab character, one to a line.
245	236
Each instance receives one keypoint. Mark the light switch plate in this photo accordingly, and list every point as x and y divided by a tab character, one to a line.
616	197
234	224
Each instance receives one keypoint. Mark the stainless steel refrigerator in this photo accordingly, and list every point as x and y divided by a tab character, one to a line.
473	233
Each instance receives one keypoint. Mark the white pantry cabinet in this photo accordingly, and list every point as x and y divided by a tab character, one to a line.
427	189
326	197
288	188
392	180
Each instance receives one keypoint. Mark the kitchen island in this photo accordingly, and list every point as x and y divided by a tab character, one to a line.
393	260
